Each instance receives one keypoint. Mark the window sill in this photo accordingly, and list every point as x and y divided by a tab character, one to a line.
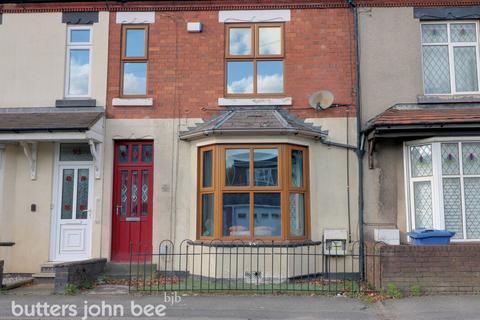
226	102
132	102
75	102
449	98
255	243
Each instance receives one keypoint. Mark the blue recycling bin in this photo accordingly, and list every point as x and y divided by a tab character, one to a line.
430	236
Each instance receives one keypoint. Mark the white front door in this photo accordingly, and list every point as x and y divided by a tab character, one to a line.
73	212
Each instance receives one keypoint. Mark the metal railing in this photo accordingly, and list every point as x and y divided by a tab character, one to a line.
257	266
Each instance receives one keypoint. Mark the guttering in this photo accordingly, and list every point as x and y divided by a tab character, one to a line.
360	137
250	132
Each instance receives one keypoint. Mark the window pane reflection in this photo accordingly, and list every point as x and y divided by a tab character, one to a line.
270	40
265	167
79	72
297	168
270	76
135	78
240	41
236	214
240	77
207	215
207	168
135	43
297	214
267	215
79	36
237	171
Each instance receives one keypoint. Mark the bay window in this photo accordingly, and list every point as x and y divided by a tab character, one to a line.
450	57
444	184
253	192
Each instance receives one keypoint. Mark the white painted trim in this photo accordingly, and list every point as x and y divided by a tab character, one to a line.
122	102
437	181
96	149
56	201
2	176
254	16
287	101
74	46
451	45
31	152
135	17
96	133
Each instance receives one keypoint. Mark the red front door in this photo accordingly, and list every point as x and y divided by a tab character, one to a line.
132	198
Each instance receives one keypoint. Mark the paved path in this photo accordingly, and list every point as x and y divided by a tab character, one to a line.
258	307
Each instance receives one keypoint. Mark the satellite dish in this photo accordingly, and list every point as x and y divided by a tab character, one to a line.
321	100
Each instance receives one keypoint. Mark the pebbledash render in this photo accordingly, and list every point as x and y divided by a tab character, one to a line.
199	126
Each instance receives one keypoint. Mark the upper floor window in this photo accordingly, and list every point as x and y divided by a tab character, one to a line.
253	192
134	60
79	59
254	59
450	57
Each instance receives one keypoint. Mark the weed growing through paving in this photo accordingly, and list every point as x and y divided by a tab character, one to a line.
393	291
71	289
416	290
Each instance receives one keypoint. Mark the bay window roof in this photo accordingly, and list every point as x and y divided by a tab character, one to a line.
254	121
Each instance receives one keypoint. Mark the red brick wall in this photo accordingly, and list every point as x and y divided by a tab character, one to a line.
436	269
186	70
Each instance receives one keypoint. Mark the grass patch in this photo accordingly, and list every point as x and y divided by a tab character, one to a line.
197	285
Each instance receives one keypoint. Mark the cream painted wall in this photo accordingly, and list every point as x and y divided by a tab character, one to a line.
174	206
29	230
391	72
33	59
32	231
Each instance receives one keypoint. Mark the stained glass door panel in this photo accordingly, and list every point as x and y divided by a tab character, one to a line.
132	201
73	214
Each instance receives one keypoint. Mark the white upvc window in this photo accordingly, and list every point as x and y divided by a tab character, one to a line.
79	62
444	186
450	57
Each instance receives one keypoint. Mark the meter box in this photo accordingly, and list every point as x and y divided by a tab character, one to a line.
335	242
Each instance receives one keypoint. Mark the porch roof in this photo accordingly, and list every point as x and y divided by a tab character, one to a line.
407	120
49	123
254	121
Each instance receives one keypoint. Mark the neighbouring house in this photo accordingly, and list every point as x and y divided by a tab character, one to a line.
421	118
52	125
207	131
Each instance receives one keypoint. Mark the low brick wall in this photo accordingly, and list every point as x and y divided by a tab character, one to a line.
78	273
452	268
1	273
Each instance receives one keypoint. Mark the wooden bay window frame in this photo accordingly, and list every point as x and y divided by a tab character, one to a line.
138	59
284	188
254	57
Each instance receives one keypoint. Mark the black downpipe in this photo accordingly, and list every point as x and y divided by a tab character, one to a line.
360	151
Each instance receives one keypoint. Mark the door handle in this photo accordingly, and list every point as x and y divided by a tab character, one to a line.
87	212
118	206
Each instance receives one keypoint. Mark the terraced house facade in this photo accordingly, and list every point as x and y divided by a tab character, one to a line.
174	121
125	123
